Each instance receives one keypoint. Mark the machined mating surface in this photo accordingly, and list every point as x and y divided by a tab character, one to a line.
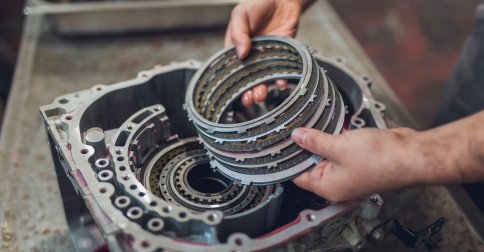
259	151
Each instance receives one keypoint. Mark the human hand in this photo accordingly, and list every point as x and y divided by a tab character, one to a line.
357	162
269	17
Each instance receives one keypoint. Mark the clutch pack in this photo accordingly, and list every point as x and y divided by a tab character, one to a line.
136	175
260	151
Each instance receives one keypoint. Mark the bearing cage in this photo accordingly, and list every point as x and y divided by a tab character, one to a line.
67	137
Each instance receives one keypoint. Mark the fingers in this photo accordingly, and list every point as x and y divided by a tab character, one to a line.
281	84
247	98
311	180
321	181
260	93
228	40
316	141
257	94
239	31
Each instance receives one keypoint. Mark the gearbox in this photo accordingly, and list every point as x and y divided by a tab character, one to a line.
171	160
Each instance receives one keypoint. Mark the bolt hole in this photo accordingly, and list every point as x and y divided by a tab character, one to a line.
119	151
365	78
212	217
167	209
311	217
102	162
126	177
239	242
135	212
132	187
155	223
122	201
103	190
120	158
153	203
63	101
145	244
157	108
182	215
122	168
104	174
374	199
141	194
69	118
130	127
99	88
359	121
84	151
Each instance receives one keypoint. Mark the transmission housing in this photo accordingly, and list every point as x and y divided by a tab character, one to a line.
154	160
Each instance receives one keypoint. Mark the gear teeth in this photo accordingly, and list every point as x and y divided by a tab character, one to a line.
272	165
237	159
210	130
312	98
220	141
241	131
278	129
214	164
252	139
303	91
278	152
328	103
184	106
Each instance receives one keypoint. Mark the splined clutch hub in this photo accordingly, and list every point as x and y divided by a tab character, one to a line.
136	175
260	151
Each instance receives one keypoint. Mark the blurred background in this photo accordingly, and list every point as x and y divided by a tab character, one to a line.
414	44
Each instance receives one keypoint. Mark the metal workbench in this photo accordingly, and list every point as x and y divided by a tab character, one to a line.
31	213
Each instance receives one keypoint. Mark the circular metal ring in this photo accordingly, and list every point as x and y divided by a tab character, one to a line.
181	174
259	151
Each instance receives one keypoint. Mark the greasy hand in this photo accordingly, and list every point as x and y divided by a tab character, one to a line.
256	17
357	163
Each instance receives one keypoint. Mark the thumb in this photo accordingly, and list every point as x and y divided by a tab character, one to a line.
240	32
315	141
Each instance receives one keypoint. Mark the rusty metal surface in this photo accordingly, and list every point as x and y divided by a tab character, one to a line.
31	215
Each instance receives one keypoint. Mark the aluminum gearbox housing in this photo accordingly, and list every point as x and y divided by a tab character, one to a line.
172	161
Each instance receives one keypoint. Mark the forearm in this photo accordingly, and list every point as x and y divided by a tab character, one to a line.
453	153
